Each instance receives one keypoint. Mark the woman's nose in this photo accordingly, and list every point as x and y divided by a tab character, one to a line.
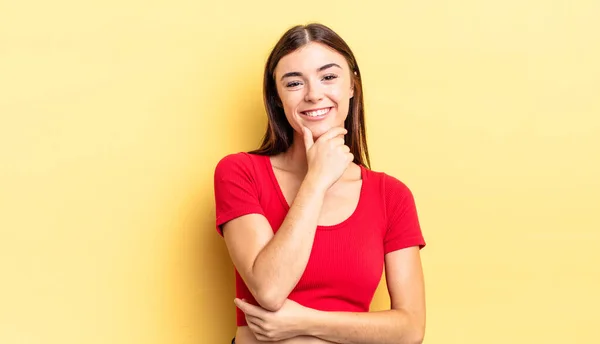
314	93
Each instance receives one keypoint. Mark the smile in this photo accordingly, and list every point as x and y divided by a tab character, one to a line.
316	113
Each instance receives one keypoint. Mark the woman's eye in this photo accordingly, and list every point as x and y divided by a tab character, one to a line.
329	77
292	84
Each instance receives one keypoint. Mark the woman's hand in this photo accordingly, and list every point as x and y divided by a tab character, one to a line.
328	157
275	326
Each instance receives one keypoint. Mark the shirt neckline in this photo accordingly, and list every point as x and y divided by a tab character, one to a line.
286	206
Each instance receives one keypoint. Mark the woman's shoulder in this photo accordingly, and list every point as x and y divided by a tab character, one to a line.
237	162
395	196
239	158
386	179
389	186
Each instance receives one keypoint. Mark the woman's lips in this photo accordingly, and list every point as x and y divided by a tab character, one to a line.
316	114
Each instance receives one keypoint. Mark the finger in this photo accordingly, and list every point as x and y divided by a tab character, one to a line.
338	141
345	149
255	324
308	138
247	308
256	331
350	157
333	132
255	320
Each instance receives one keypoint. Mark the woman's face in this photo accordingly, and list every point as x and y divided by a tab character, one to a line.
315	86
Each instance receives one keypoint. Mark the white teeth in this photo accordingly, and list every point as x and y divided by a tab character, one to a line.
317	113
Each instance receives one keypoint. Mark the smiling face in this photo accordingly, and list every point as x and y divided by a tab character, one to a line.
314	85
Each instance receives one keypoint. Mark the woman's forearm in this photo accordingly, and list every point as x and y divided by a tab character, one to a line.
280	264
383	327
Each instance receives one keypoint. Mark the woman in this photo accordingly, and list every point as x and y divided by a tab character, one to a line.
309	227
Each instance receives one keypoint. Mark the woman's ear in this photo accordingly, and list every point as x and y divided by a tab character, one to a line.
353	81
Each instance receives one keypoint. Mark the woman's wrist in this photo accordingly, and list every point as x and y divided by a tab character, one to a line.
313	185
309	323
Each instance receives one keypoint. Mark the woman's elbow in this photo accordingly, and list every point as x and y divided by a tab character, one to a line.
418	339
413	338
417	335
269	304
411	331
269	299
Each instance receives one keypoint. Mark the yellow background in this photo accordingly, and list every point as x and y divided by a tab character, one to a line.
113	116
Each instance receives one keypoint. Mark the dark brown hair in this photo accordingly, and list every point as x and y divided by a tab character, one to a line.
279	135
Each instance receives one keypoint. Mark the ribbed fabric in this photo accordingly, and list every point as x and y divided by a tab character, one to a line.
347	259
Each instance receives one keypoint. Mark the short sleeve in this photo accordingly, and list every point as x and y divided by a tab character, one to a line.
403	227
235	189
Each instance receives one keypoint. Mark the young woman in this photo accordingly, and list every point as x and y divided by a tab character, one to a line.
308	225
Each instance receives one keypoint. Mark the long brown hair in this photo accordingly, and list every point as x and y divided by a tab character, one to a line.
279	135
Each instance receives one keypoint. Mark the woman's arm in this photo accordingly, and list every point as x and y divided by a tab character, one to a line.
271	265
403	323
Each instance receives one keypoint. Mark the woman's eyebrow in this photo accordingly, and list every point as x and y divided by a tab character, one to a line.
329	65
322	68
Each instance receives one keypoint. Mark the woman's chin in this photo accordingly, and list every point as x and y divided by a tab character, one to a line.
318	130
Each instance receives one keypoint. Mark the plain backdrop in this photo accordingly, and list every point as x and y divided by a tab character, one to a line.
114	114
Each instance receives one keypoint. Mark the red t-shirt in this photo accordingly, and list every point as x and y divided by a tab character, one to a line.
347	260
